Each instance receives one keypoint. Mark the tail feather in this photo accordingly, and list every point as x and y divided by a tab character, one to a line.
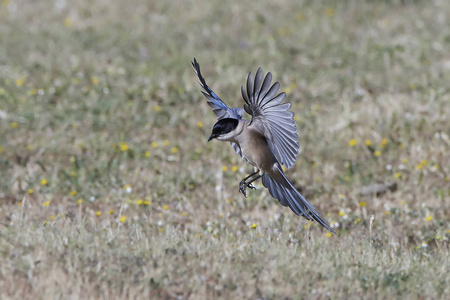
283	190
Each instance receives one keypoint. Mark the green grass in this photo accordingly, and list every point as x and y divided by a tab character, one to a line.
108	188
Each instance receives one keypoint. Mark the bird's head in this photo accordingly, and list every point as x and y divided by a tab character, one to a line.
224	130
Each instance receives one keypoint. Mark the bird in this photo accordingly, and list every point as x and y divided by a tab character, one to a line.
267	141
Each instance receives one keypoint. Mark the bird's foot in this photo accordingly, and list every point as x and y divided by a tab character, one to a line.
249	185
243	187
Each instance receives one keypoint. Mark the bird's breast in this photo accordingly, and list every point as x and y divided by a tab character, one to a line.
256	148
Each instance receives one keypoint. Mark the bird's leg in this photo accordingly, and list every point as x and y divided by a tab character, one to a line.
243	184
249	184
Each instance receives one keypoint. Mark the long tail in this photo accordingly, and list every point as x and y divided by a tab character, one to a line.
282	189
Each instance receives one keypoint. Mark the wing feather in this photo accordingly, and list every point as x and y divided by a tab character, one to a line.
271	116
265	86
219	107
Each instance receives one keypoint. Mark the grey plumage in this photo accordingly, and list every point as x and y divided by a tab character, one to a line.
268	141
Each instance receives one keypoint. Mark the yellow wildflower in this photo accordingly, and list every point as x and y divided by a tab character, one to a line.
234	168
384	142
166	142
30	191
68	22
328	234
357	220
199	124
73	193
254	225
352	142
44	181
111	211
362	204
147	154
154	144
95	80
123	219
368	142
80	201
20	81
429	218
424	162
184	213
98	213
123	146
329	12
397	175
157	108
14	125
46	203
166	207
377	153
174	150
51	217
224	168
139	201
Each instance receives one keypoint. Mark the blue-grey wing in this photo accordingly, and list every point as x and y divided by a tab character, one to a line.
219	107
272	117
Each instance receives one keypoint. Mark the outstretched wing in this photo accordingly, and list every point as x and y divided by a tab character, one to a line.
219	107
272	117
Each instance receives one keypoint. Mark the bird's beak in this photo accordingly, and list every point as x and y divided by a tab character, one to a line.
213	136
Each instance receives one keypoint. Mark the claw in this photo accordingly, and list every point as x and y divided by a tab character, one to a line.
243	188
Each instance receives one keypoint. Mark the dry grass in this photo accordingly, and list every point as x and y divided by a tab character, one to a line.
108	188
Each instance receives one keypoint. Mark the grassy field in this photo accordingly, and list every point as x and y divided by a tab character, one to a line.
109	190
